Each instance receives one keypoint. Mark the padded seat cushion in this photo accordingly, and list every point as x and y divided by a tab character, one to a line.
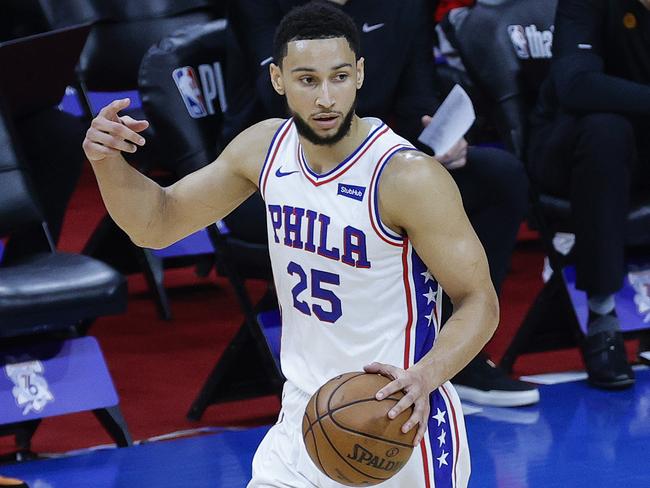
50	291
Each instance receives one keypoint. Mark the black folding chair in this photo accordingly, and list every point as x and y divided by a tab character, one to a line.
121	35
190	128
47	297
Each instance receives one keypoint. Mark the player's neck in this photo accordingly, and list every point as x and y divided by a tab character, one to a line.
322	159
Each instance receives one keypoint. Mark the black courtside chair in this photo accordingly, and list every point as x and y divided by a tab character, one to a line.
248	367
506	47
122	32
48	297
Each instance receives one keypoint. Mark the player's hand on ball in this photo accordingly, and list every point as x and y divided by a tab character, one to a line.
109	134
414	385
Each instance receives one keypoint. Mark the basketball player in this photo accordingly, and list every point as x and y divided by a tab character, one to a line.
362	228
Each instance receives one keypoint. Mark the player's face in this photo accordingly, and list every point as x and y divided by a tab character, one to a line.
320	79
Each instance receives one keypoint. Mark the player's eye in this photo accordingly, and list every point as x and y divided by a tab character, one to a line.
341	77
307	80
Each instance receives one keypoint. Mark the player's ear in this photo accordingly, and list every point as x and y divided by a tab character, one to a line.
360	72
276	78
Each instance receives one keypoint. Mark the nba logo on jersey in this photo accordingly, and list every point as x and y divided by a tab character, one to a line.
187	83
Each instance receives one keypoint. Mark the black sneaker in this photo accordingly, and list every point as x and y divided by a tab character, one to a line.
484	383
606	361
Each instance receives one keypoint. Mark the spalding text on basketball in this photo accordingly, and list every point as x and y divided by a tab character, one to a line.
363	456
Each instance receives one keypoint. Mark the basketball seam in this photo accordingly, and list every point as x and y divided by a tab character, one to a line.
324	434
329	411
330	442
329	400
313	435
356	402
365	434
343	459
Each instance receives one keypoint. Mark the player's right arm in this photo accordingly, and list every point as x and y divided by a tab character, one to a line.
154	216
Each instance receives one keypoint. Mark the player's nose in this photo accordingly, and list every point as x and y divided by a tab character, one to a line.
325	98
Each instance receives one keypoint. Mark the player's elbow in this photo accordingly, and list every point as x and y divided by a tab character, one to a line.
152	235
155	237
153	231
148	240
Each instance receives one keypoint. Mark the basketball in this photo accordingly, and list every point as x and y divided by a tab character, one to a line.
348	434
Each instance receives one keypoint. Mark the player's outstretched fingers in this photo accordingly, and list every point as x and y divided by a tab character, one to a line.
95	150
110	111
109	140
134	125
117	130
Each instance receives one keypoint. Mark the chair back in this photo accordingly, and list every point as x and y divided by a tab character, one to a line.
506	48
18	206
70	12
181	83
122	32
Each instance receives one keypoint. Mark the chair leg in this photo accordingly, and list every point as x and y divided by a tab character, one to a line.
551	323
247	368
243	371
152	267
113	421
24	433
110	244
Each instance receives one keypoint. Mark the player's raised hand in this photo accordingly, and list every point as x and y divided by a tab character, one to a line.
109	134
414	385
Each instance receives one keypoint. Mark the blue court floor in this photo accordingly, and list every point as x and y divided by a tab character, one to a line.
576	437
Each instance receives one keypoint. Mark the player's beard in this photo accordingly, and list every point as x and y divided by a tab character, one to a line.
309	133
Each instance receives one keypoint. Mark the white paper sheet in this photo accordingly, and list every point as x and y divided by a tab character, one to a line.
450	123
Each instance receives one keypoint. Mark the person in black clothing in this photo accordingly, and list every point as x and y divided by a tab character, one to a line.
397	44
589	141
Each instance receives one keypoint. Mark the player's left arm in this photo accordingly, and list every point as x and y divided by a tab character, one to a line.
419	199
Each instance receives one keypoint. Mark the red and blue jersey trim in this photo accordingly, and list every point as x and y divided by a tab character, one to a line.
343	167
274	147
441	446
380	229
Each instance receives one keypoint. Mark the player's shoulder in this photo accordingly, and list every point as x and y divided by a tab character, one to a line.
259	135
247	151
412	170
253	142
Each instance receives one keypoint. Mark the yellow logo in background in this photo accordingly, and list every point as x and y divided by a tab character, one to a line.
629	21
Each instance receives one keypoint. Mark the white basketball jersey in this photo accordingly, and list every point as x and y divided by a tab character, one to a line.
351	291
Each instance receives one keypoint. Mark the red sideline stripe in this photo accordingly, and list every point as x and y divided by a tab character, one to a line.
371	199
272	160
453	413
348	166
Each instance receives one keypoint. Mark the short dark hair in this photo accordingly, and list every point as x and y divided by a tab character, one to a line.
317	19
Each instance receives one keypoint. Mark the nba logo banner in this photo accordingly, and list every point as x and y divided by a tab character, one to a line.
188	84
